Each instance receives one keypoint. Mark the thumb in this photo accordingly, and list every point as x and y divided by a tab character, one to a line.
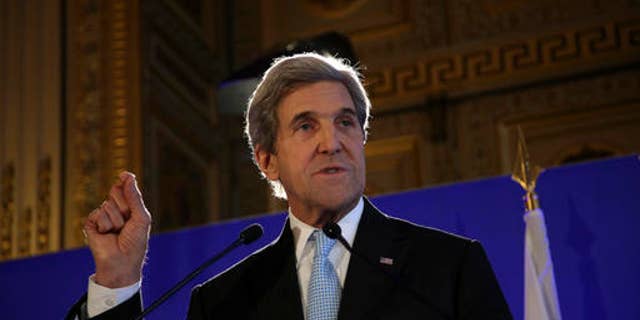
133	197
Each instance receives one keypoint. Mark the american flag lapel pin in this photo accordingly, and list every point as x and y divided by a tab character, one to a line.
387	261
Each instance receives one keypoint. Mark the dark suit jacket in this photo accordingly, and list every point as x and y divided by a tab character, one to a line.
434	275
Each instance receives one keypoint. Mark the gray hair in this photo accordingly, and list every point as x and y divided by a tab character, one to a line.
287	74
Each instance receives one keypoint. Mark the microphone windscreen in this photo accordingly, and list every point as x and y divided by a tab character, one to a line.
332	230
251	233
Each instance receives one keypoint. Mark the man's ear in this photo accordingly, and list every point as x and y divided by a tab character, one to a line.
268	162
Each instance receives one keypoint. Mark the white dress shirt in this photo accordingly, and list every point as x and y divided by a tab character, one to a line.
101	299
339	255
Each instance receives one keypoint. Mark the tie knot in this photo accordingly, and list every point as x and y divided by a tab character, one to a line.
323	243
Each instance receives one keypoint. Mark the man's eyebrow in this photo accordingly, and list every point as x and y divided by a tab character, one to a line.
348	111
310	114
301	116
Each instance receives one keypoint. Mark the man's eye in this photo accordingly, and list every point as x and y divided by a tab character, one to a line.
305	127
346	123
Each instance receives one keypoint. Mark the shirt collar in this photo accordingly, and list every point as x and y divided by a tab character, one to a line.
349	225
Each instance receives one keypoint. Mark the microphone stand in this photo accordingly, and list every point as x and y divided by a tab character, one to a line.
244	238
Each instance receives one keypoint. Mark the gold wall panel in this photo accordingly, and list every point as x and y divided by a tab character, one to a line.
484	125
554	137
183	143
394	164
360	20
183	189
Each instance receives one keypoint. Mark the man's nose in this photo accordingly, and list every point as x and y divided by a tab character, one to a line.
329	141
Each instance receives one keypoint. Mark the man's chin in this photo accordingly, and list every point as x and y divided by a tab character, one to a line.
337	201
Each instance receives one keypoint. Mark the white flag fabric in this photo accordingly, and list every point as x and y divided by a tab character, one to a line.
541	298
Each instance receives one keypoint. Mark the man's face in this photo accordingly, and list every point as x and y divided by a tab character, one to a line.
319	156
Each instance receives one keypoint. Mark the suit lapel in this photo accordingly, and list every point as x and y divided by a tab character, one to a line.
366	285
282	298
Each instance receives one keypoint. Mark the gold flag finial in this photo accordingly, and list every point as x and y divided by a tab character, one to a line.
526	174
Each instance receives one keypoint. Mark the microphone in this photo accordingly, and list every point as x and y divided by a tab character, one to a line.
247	236
333	231
251	233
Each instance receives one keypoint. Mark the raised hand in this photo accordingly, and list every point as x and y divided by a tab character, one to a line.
118	233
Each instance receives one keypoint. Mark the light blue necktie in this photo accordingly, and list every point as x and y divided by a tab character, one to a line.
323	300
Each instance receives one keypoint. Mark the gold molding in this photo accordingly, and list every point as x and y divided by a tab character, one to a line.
122	84
117	99
8	211
103	113
394	164
507	64
85	116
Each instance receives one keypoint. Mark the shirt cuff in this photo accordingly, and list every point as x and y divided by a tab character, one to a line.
101	299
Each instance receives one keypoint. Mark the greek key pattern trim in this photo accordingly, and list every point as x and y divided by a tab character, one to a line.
548	51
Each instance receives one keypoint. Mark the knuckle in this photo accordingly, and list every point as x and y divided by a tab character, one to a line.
93	214
105	225
118	223
112	204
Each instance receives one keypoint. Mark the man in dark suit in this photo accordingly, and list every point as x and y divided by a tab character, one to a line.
307	125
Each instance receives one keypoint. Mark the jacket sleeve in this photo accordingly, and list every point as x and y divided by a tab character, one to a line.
479	294
129	309
219	298
196	311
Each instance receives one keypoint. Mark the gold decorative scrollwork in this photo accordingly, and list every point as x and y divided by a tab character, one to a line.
25	233
43	212
87	114
103	90
8	210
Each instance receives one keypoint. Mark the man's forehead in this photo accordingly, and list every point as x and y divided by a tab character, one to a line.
317	97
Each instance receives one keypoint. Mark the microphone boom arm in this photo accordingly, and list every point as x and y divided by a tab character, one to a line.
248	235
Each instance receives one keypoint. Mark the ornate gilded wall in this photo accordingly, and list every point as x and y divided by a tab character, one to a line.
98	86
